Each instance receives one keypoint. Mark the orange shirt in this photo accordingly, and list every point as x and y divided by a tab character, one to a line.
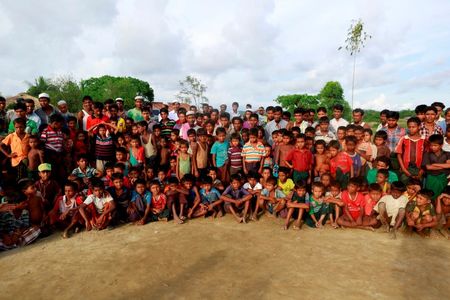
18	146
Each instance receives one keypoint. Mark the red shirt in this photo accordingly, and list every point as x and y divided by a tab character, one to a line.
368	205
92	121
159	202
301	159
342	161
353	204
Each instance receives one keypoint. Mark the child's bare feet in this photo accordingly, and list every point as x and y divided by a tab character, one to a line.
285	227
220	214
394	234
65	234
253	217
334	225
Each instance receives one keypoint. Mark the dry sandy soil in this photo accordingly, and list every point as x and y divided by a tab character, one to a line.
222	259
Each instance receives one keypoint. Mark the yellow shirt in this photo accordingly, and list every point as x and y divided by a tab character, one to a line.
121	125
286	187
18	146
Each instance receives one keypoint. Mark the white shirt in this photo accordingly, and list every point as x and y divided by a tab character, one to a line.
392	205
335	124
99	203
257	186
173	115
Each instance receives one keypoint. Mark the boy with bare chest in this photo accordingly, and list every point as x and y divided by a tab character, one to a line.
35	157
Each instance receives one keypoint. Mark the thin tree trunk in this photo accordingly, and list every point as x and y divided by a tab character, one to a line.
353	81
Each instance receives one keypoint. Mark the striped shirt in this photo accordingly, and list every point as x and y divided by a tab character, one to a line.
166	127
253	153
88	173
53	140
234	157
411	150
104	148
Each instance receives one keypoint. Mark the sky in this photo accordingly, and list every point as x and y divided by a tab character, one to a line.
246	51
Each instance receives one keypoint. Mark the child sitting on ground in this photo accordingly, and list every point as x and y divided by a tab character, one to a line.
299	203
334	198
174	201
211	202
443	211
353	206
139	210
98	207
382	180
121	196
48	187
34	203
271	199
285	183
84	170
318	208
420	214
391	208
65	212
236	199
158	203
370	201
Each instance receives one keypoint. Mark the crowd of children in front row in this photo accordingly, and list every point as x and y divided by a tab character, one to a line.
307	176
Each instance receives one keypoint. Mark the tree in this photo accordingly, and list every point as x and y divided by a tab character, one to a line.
99	88
40	85
59	88
356	39
291	102
104	87
333	93
192	91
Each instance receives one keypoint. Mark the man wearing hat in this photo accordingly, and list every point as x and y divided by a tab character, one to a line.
136	113
121	112
190	124
46	109
173	114
64	109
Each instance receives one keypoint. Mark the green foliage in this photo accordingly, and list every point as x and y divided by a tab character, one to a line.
99	88
356	37
40	85
290	102
192	91
102	88
331	94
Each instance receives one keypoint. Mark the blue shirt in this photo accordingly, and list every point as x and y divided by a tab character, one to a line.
211	197
221	152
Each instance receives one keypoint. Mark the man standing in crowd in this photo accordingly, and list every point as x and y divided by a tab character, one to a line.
276	124
46	111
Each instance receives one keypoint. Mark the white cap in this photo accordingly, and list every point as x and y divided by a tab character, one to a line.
44	95
138	98
62	102
176	102
119	99
190	113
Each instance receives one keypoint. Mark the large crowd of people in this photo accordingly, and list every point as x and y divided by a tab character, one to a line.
104	166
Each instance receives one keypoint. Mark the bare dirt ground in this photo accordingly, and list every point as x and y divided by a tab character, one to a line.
224	260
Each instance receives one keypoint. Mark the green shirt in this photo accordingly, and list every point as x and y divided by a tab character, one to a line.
372	176
30	127
135	114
